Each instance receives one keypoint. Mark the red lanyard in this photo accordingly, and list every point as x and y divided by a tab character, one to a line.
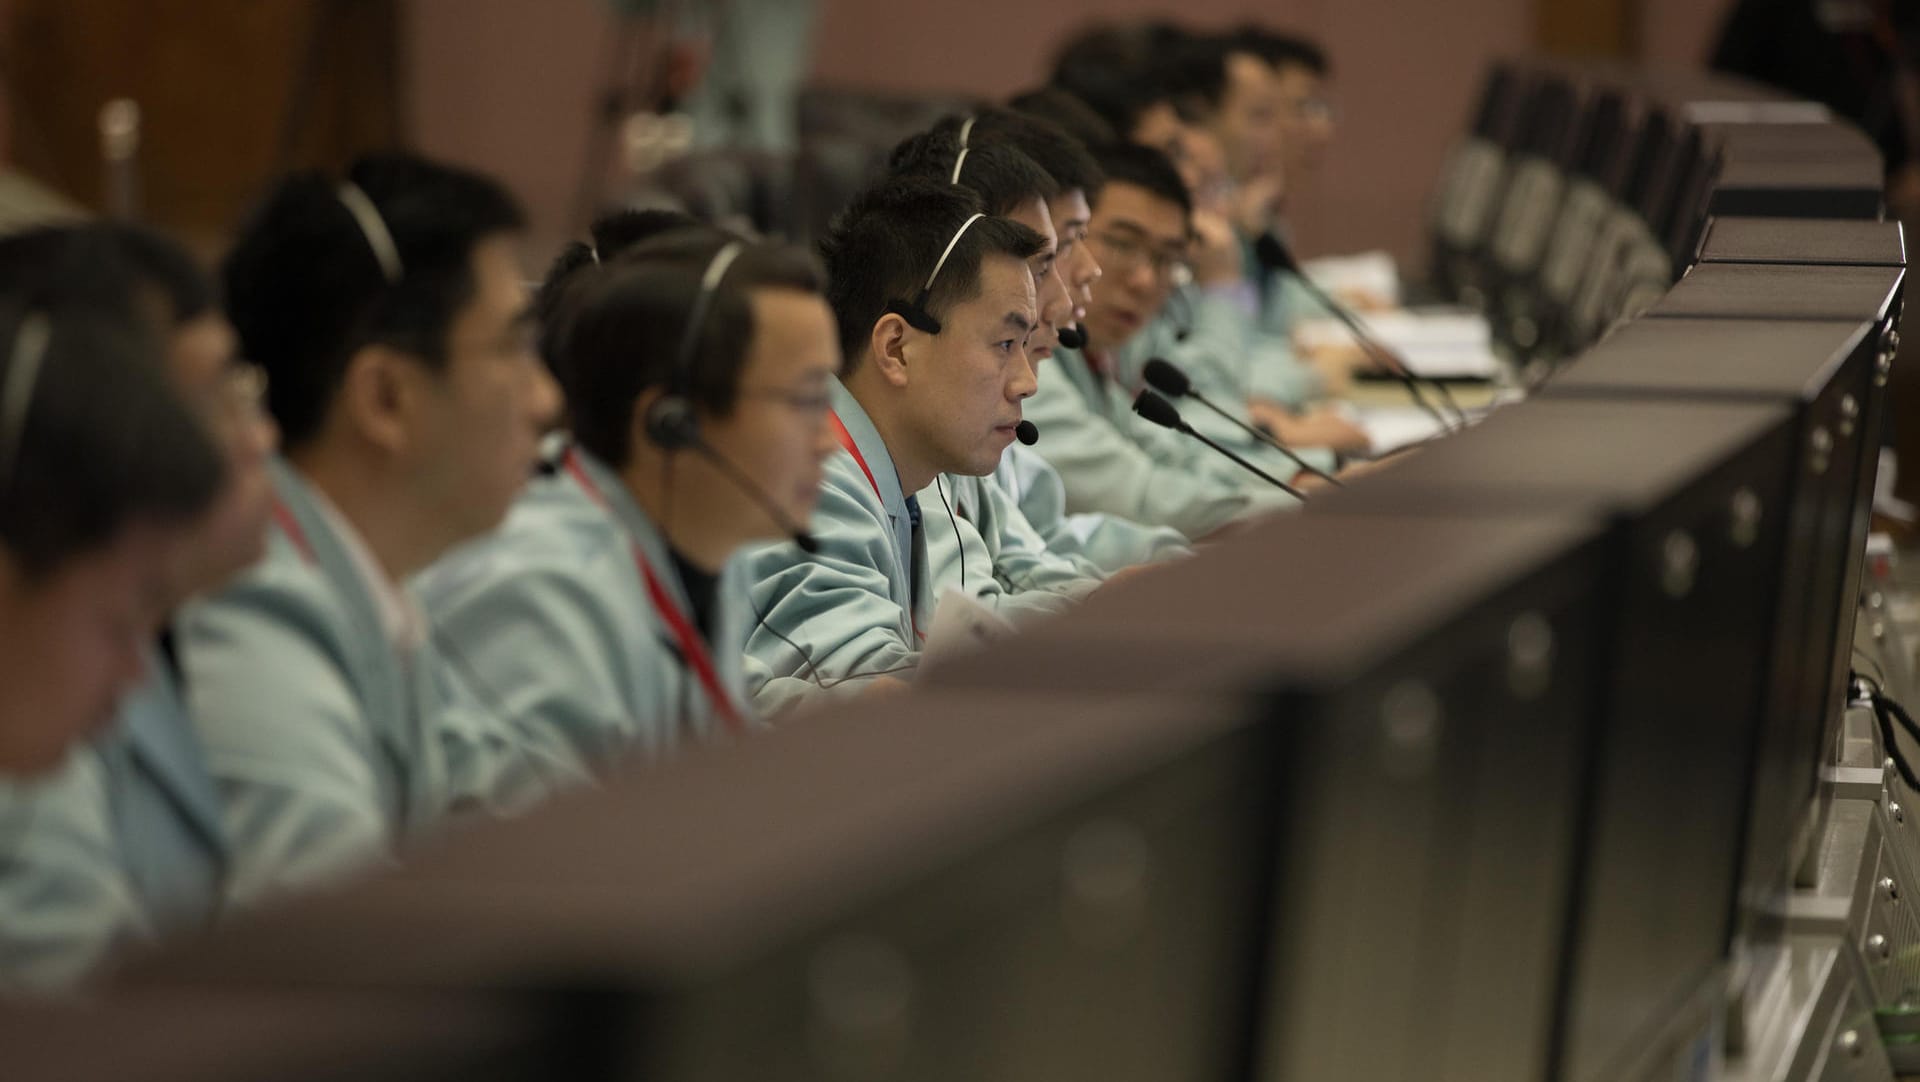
692	647
291	527
846	440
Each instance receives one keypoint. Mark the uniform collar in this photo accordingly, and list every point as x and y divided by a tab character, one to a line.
399	621
873	449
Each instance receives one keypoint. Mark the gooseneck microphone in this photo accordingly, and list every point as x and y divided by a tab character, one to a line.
1273	254
1162	412
1027	432
1167	378
1071	337
759	495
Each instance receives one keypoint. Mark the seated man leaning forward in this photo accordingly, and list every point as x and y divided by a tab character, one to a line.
609	615
934	302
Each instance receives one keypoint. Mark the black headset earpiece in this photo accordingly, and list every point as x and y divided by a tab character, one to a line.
916	314
671	423
915	311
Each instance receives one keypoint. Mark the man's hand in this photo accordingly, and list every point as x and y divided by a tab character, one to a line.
882	687
1257	203
1216	250
1321	426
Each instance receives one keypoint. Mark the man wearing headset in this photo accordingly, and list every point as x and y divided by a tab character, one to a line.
389	313
607	618
1052	202
934	303
1109	460
1028	578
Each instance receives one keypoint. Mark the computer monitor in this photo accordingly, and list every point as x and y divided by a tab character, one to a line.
1822	372
1804	242
1432	679
947	886
1829	170
1848	293
1693	495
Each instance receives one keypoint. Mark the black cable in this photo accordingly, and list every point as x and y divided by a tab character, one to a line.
1885	712
959	543
1879	670
760	620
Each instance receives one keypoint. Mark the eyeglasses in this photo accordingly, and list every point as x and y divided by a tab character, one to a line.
1125	254
1314	109
238	395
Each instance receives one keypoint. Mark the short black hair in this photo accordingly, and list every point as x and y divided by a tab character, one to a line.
621	330
613	232
1145	167
1061	108
999	174
883	247
1107	66
1060	155
1193	71
102	440
1278	50
306	289
113	265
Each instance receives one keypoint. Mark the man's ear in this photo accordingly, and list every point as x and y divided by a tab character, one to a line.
889	345
379	395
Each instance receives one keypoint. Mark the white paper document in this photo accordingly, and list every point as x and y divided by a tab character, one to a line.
1373	275
1442	344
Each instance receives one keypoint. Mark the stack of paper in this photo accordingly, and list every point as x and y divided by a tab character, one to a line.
1364	279
1439	344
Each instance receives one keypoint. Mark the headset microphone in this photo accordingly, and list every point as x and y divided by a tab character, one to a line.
759	495
1158	410
1167	378
1272	254
673	425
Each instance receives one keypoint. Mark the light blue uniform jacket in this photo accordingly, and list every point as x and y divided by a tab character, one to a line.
1107	543
1113	462
121	845
330	745
1229	359
987	535
553	614
857	609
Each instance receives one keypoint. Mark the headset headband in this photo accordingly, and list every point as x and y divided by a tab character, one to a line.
373	228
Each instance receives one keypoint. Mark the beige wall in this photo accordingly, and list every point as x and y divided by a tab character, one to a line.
506	84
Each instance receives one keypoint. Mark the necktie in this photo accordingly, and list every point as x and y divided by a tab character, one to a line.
916	555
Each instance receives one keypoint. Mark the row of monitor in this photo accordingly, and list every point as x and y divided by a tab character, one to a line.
1580	191
1490	765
